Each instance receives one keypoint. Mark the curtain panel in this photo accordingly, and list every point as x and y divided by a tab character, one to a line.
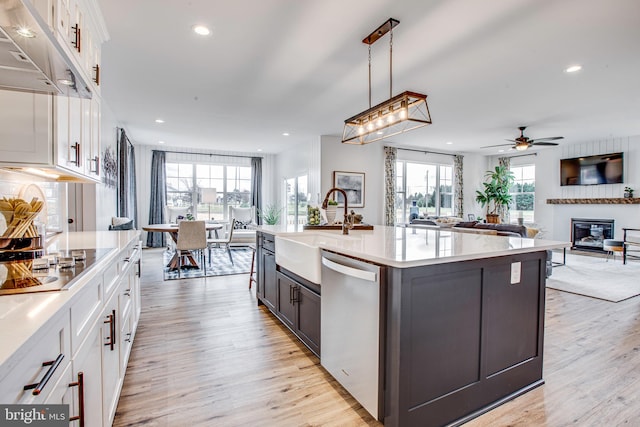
503	210
390	157
256	187
158	200
458	185
127	192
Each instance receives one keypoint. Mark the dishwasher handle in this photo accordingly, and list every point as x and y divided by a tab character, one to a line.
369	276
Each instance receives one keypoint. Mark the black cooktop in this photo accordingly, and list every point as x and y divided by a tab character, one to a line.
24	273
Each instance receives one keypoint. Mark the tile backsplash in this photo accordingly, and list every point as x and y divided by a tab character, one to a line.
12	183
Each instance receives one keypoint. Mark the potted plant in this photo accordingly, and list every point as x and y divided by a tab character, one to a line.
497	184
270	214
628	193
331	210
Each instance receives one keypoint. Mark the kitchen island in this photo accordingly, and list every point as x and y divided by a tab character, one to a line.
460	316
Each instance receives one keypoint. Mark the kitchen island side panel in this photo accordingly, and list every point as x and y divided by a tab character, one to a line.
461	338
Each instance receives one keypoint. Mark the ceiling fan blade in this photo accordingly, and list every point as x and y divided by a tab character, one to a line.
544	143
512	140
551	138
498	145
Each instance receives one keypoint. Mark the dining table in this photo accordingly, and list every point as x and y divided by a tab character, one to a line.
172	230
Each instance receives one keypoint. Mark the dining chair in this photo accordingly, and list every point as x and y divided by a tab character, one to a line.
226	241
192	236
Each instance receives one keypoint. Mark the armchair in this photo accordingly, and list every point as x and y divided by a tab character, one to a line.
244	232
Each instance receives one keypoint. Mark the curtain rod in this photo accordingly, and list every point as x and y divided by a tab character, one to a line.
521	155
208	154
425	152
118	129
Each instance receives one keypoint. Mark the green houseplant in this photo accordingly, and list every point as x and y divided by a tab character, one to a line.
495	193
270	214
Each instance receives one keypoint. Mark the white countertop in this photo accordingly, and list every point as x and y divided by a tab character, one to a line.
410	247
22	315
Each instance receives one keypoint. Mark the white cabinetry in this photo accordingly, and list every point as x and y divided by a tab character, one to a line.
79	357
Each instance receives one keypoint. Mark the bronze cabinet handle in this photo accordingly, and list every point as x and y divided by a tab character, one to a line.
80	385
112	329
53	365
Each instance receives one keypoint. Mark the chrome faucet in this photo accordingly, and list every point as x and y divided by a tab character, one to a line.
346	221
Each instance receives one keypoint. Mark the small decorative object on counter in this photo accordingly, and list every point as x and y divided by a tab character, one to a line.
313	215
19	216
628	192
331	211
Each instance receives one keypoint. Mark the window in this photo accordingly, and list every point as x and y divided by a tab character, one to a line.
296	195
523	193
232	184
423	189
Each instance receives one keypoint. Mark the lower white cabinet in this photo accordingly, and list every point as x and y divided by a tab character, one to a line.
87	380
79	357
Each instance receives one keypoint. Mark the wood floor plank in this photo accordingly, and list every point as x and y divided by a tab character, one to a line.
206	355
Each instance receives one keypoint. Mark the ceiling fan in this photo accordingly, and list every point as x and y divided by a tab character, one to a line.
522	142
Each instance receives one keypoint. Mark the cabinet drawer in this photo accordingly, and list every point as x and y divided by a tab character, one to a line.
110	278
84	311
268	242
49	344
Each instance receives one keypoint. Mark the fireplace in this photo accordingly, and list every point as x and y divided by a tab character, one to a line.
589	234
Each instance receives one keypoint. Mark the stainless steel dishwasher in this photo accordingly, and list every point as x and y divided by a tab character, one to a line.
350	327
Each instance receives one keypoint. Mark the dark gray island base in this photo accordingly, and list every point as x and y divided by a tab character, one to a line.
461	339
456	339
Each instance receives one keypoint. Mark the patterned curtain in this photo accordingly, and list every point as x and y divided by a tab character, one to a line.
256	187
390	156
457	185
158	197
503	210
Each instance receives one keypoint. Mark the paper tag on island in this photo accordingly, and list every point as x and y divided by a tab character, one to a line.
516	271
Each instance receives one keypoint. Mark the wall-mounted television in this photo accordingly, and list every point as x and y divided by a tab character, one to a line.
592	170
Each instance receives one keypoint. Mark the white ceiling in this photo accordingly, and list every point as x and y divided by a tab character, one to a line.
299	66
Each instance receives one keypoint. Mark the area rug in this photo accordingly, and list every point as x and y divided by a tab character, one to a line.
595	277
219	265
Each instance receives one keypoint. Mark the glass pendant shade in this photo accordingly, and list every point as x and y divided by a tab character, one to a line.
402	113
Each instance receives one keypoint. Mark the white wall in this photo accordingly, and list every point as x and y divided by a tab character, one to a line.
369	159
106	205
303	159
474	167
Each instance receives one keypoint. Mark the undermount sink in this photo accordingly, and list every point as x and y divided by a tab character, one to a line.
300	254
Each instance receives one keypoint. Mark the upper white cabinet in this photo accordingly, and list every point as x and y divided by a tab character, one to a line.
79	27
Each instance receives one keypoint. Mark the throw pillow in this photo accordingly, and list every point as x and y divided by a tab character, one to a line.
125	226
241	225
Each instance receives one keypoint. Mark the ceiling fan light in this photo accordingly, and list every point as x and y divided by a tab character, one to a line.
521	146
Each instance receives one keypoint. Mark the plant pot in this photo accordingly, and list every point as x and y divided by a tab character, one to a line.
628	195
331	213
493	218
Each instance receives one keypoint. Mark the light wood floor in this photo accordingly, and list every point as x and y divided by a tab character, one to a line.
206	355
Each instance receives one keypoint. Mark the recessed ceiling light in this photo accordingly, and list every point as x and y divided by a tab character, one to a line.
25	32
285	134
159	121
500	151
379	132
201	30
573	69
259	149
449	143
160	142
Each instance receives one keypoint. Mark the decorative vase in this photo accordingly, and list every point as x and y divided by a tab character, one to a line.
628	195
493	219
331	213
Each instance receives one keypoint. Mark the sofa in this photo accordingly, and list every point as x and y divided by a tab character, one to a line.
514	230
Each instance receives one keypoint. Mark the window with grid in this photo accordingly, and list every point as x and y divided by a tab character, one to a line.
186	180
423	190
523	193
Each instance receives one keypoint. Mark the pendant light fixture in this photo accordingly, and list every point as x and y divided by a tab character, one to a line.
398	114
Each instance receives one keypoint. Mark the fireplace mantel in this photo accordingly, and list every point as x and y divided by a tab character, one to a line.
599	201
